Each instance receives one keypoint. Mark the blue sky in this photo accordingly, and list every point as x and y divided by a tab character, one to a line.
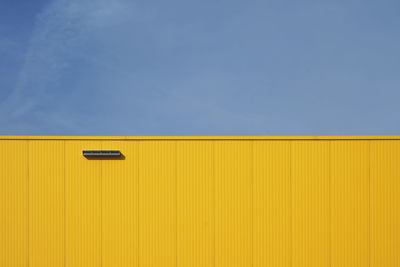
119	67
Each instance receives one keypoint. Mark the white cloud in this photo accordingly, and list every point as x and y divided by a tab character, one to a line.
60	34
207	67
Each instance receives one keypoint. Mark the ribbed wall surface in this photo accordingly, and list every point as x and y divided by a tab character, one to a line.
200	203
14	204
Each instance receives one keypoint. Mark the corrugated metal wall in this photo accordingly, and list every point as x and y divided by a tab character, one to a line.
200	203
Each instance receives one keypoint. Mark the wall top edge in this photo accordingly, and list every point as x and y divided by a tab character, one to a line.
375	137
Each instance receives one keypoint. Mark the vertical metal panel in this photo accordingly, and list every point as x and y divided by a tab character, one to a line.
157	204
209	203
311	203
350	187
272	204
385	203
14	208
196	202
83	206
46	204
120	200
234	203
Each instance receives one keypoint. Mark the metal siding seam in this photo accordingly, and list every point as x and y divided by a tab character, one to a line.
29	215
176	202
137	148
65	203
214	202
101	208
330	202
369	206
291	200
252	162
28	229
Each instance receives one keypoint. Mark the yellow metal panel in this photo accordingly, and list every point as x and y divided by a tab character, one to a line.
234	203
194	138
350	223
83	206
195	203
272	204
209	201
157	204
46	204
311	204
14	208
385	203
120	213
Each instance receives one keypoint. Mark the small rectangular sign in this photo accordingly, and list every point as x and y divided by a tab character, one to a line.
101	153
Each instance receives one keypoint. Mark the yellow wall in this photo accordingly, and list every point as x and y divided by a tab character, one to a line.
200	202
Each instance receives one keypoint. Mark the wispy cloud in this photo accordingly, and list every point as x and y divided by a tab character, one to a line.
93	61
213	67
60	35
